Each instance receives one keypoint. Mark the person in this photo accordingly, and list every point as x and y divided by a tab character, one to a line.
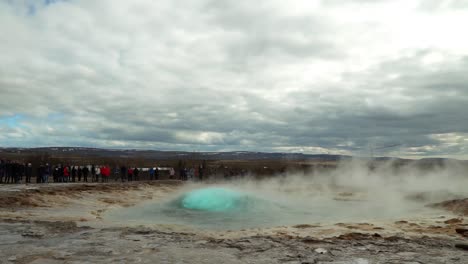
116	173
28	172
73	173
200	172
136	173
196	173
98	173
123	173
85	173
2	169
9	172
105	172
93	173
39	172
66	174
80	172
46	173
130	174
61	173
17	172
151	173
156	173
56	173
172	173
20	171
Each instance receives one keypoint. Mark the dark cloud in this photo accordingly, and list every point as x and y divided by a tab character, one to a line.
307	76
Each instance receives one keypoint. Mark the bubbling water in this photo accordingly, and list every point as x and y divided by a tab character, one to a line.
214	200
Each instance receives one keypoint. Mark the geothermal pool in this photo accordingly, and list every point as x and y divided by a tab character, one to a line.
229	207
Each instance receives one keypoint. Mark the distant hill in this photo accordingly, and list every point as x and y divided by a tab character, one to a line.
168	155
175	155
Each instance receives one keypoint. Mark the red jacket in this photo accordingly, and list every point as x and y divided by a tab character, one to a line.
65	172
106	172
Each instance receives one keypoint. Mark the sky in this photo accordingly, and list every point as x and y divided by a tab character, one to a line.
357	77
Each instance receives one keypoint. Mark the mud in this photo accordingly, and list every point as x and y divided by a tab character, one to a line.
64	224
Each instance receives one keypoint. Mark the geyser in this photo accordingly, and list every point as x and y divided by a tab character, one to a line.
214	200
352	193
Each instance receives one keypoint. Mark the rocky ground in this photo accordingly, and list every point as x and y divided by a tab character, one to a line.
63	224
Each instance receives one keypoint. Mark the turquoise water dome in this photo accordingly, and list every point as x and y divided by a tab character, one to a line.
214	199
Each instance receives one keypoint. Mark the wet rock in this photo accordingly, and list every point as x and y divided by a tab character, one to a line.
33	233
462	231
392	238
462	246
142	231
358	236
454	221
303	226
310	240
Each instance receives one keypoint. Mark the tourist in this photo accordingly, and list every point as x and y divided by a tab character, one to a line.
98	173
66	174
130	174
136	173
46	172
80	173
105	172
171	173
93	173
200	172
85	173
39	172
151	173
116	173
73	173
28	172
123	173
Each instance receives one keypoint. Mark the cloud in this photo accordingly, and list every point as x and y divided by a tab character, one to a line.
312	76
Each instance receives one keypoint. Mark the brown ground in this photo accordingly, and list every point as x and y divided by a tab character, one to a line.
62	223
41	195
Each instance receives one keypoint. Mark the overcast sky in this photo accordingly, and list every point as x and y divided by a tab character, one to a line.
331	76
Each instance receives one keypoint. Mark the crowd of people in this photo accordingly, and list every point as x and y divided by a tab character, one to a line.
14	172
17	172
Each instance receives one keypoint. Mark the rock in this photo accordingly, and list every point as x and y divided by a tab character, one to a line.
142	231
303	226
358	236
312	261
12	258
453	221
462	246
33	233
320	250
462	231
310	240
